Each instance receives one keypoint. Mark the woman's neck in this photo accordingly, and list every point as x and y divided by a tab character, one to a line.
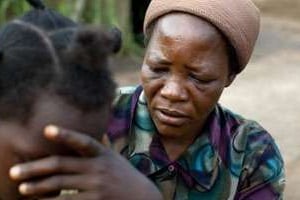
175	148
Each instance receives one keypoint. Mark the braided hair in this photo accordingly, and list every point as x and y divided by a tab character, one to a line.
71	60
46	18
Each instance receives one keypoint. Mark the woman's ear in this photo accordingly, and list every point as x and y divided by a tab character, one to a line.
230	79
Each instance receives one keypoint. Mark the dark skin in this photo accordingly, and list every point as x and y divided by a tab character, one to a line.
70	160
184	73
99	174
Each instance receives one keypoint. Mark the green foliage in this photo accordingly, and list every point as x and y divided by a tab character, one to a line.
91	13
11	8
104	12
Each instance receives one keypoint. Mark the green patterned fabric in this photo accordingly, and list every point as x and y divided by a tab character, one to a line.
232	158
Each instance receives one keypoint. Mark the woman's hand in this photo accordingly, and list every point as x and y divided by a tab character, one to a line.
99	174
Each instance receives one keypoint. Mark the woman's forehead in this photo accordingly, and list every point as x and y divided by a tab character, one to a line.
186	25
178	33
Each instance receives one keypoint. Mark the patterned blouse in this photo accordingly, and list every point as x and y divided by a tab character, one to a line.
232	158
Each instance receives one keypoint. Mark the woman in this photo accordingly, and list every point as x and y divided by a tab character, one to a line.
179	136
172	129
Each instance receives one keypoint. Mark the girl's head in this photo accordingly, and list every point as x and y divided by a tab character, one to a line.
70	63
50	76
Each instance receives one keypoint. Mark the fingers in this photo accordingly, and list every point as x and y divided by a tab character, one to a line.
79	142
48	166
54	184
80	196
105	141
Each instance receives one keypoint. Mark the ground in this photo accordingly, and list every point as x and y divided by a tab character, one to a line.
267	91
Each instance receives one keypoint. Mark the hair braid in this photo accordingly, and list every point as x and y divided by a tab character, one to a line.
45	39
54	54
28	63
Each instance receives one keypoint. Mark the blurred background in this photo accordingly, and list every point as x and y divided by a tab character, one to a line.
268	91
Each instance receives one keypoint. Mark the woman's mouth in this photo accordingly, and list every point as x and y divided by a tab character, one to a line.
171	117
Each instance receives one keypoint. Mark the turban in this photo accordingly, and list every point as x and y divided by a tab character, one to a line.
238	20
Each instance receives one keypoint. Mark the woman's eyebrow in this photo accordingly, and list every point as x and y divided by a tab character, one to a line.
200	69
164	61
159	59
193	68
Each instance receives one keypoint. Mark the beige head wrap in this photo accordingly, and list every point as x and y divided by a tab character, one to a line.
239	20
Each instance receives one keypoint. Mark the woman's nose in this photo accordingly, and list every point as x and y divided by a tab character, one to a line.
174	90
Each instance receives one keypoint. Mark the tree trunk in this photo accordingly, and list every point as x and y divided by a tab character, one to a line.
124	18
117	13
78	10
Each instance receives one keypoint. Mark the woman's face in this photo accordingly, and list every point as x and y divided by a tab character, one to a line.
184	72
25	142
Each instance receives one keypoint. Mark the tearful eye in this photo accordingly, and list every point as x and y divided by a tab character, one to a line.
199	80
159	69
158	66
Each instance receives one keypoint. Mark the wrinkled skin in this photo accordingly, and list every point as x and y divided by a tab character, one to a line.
67	160
184	73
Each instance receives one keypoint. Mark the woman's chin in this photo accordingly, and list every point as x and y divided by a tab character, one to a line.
168	131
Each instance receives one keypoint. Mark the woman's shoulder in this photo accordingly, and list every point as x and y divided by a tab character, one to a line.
245	134
240	124
245	127
254	150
